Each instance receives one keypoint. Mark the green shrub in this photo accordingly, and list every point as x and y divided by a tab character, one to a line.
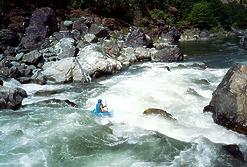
159	14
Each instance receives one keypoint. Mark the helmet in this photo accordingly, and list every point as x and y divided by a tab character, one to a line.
99	101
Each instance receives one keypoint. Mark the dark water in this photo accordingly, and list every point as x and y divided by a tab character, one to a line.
216	53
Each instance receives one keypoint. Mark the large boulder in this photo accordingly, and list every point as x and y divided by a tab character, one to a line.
136	38
169	53
43	23
82	25
11	98
131	55
65	48
127	56
175	33
99	31
159	112
91	61
229	101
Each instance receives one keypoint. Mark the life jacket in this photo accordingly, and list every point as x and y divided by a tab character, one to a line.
98	110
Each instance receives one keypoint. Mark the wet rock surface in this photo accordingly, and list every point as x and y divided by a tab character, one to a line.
229	101
159	112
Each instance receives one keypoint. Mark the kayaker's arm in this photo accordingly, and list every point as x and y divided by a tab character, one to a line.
102	108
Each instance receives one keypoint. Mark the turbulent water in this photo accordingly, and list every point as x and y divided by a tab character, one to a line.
46	133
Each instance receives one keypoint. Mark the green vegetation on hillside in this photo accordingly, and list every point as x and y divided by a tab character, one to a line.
203	14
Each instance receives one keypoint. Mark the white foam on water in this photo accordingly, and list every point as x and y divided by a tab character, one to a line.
202	153
155	87
33	88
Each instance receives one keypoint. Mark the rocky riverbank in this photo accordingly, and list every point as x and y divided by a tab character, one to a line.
78	50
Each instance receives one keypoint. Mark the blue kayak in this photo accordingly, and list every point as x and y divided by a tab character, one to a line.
101	114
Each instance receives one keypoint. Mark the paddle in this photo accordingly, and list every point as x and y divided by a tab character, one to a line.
106	106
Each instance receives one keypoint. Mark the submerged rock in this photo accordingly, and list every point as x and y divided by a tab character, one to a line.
55	103
159	112
46	92
229	101
234	151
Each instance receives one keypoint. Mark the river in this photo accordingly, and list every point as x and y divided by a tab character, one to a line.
55	134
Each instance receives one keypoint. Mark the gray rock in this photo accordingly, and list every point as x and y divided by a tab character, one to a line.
127	56
3	103
168	54
159	112
47	92
4	71
65	48
32	58
68	23
204	34
14	72
91	59
11	98
56	103
99	31
43	23
24	80
1	57
229	101
175	34
91	38
19	56
243	41
9	37
136	38
82	25
234	151
62	34
38	78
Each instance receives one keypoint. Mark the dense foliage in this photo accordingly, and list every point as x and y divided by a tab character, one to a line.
203	14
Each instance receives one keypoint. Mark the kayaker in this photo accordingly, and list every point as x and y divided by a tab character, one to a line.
100	107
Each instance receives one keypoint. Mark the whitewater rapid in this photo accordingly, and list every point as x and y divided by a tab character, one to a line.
155	87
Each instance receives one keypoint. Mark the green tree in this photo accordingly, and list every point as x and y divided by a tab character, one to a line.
201	16
237	15
220	13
